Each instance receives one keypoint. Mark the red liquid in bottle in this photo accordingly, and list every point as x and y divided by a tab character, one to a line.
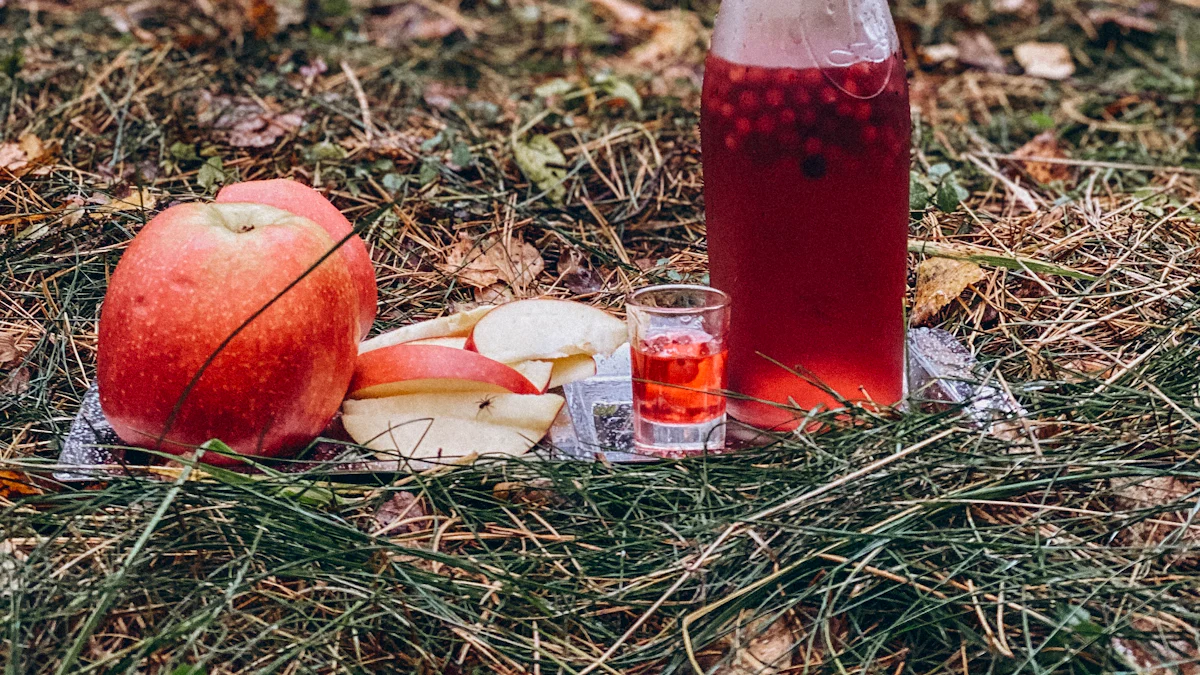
806	197
672	373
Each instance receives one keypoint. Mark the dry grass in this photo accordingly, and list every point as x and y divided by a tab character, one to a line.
1070	545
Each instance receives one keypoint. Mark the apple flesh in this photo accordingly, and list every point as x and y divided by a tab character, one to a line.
306	202
454	325
545	329
571	369
449	427
409	368
191	278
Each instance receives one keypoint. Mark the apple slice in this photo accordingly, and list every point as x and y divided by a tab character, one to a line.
409	368
540	373
451	426
454	325
545	329
452	342
571	369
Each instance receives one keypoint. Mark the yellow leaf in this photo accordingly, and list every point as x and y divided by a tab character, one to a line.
136	201
16	484
940	280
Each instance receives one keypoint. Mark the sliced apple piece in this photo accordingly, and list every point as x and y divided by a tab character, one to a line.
545	329
540	373
452	342
410	368
454	325
450	426
571	369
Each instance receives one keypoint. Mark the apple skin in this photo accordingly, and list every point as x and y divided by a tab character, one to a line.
306	202
410	368
192	276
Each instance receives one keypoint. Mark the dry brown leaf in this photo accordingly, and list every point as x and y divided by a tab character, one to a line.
1044	145
1137	493
976	49
16	484
137	200
406	22
15	383
402	506
511	260
28	154
940	280
9	354
674	35
760	649
246	122
1157	657
495	294
576	274
1047	60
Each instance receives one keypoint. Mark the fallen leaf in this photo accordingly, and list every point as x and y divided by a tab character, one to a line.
940	280
246	123
758	648
10	559
1154	493
975	49
576	274
1026	8
28	154
940	53
263	18
483	264
406	22
390	517
15	383
138	200
675	34
496	294
441	95
1047	60
9	354
16	484
543	163
1167	654
1044	145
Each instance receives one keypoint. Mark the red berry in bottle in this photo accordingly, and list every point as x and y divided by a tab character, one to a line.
757	75
787	116
732	142
812	145
737	74
774	98
748	100
801	96
742	125
870	134
726	110
862	111
764	125
808	117
828	95
811	77
844	109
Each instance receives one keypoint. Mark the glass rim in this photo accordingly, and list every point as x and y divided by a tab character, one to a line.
721	296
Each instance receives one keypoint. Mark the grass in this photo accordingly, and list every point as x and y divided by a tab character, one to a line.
1065	543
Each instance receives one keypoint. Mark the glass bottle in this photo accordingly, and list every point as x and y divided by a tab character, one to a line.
805	131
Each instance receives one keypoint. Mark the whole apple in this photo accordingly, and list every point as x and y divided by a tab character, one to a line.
188	281
306	202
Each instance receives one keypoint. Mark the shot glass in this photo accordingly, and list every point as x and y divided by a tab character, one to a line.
677	339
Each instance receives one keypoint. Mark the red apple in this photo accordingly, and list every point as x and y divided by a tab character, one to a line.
412	368
304	201
190	278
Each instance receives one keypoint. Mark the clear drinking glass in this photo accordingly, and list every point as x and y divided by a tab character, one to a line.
677	340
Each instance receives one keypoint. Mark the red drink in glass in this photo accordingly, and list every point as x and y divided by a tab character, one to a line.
678	377
806	198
